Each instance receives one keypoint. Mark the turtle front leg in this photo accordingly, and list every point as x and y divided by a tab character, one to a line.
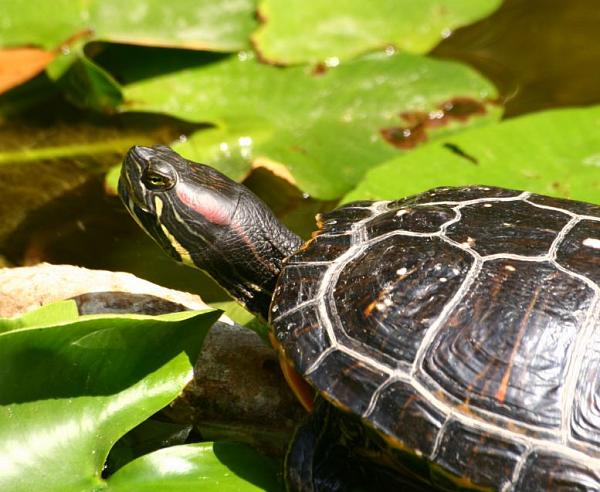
332	451
317	460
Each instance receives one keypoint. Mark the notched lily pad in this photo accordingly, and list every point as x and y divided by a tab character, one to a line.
552	152
324	128
301	31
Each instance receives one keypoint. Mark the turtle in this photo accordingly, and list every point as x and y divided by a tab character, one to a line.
451	337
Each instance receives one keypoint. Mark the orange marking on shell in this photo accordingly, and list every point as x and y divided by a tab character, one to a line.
501	393
320	221
298	385
369	309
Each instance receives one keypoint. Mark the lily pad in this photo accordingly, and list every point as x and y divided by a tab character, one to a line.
198	24
69	389
552	152
322	130
299	31
63	29
220	466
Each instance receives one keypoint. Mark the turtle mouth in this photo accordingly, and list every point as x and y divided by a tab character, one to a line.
141	214
130	187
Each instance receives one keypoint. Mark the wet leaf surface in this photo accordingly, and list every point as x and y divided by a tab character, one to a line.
554	152
302	31
324	129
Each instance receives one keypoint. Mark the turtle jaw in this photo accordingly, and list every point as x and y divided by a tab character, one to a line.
138	200
131	189
133	196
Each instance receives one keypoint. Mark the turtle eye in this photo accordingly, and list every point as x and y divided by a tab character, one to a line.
155	180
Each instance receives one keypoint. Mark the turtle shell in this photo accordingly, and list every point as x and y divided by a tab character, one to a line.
462	324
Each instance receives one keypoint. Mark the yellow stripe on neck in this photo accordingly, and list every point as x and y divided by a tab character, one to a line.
186	258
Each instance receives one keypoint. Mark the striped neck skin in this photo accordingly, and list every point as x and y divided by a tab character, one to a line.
203	219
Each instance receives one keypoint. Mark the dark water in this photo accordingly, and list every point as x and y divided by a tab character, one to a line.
539	53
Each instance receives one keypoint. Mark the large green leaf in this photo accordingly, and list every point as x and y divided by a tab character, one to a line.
200	24
65	28
207	466
70	389
321	130
297	31
552	152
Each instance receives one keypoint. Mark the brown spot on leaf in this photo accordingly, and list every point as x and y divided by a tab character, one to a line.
319	69
462	108
561	189
299	149
418	122
404	138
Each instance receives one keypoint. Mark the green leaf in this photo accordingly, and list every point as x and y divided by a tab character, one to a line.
147	437
243	317
65	28
84	82
553	152
69	391
298	31
49	314
219	466
199	24
319	130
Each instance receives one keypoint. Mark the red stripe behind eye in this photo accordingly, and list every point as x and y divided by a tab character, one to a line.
206	205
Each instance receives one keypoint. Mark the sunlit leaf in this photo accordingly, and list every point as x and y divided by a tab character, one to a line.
552	152
57	312
324	130
205	466
297	31
63	28
200	24
68	391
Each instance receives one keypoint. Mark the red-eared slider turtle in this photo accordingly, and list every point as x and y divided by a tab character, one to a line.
454	334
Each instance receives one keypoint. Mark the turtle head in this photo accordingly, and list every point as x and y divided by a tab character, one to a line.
204	219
